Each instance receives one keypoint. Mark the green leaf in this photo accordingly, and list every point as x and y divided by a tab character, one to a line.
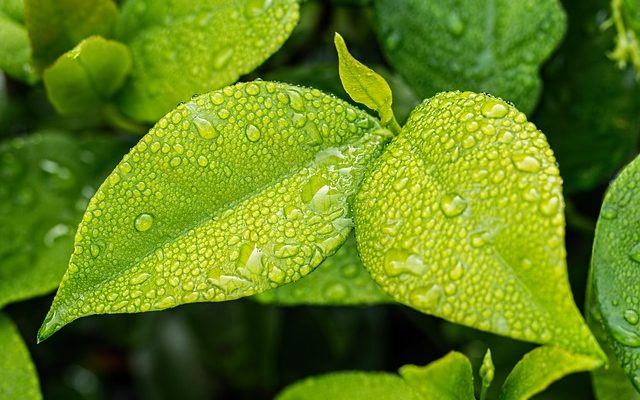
449	377
364	85
350	386
591	142
15	57
462	218
87	76
238	191
487	372
56	26
626	19
614	269
340	280
610	381
491	46
208	45
18	377
47	179
540	368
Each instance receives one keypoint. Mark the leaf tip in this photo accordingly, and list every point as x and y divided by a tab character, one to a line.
52	323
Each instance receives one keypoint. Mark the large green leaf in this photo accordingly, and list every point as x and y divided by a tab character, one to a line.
206	45
15	56
615	276
18	377
448	378
55	26
47	179
340	280
493	46
236	192
87	76
541	367
462	217
350	386
591	142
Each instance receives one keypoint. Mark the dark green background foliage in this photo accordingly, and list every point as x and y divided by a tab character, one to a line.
588	108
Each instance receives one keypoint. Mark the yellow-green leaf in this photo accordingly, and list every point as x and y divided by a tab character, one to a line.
448	378
462	218
18	377
364	85
87	76
181	48
235	192
540	368
340	280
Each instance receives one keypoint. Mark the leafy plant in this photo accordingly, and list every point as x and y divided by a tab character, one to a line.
282	194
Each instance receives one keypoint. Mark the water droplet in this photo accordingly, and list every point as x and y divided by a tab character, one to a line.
295	100
167	302
252	89
609	212
205	128
631	317
143	222
478	239
217	98
452	204
398	262
335	291
400	183
427	298
493	109
455	24
526	163
255	8
251	258
140	278
299	120
468	142
252	132
624	336
222	58
549	206
94	249
634	252
203	161
457	272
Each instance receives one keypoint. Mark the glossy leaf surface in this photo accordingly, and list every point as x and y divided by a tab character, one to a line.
87	76
56	26
448	378
18	378
238	191
491	46
207	44
47	179
462	218
541	367
615	277
340	280
350	386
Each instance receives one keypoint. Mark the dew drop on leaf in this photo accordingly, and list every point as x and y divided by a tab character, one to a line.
634	252
631	316
143	222
205	128
252	132
526	163
493	109
452	204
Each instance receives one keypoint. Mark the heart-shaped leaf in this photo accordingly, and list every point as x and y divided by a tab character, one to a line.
207	44
493	46
47	179
462	217
615	275
340	280
87	76
238	191
18	377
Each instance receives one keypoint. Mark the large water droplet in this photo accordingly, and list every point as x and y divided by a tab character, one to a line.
625	336
526	163
493	109
295	100
398	262
252	132
631	316
143	222
427	298
452	204
251	258
609	212
634	252
205	128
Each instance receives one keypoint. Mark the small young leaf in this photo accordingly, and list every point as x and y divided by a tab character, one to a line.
47	179
56	26
487	372
18	377
449	378
238	191
340	280
15	57
491	46
482	242
350	386
614	269
364	85
207	44
87	76
626	19
540	368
